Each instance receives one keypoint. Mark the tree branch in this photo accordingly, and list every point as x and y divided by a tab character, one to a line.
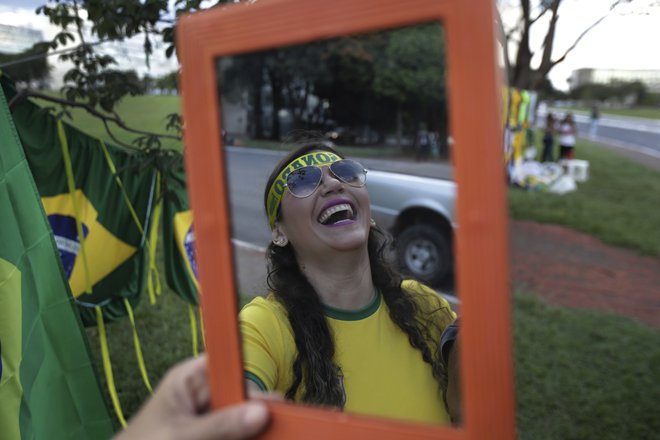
114	138
520	73
593	25
48	54
526	10
509	34
548	41
538	17
103	116
505	45
78	22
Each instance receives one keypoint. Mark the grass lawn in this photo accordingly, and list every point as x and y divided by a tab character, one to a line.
584	375
579	374
165	338
146	113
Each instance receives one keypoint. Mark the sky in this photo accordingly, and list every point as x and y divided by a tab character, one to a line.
626	39
129	54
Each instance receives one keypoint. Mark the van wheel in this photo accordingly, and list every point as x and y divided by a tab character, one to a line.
425	253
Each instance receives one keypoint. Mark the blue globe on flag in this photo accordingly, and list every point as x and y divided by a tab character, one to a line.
66	239
189	243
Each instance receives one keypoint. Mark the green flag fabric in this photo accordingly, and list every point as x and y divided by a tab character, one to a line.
179	239
48	386
74	174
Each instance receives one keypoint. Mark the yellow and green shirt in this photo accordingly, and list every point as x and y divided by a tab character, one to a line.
382	374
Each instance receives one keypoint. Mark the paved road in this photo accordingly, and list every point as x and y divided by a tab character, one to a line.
248	173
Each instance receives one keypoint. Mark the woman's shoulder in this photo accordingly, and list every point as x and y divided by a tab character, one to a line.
263	307
431	304
426	297
416	287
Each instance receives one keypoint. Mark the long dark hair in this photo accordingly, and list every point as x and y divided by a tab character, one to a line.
314	365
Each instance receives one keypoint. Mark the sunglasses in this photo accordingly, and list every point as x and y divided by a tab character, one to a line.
302	182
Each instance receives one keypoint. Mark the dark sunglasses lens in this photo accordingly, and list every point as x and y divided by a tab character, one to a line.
349	171
303	181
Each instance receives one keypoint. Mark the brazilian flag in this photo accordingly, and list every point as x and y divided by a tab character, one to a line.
76	176
179	239
48	386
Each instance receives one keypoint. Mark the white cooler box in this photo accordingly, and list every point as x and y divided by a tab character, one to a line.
577	169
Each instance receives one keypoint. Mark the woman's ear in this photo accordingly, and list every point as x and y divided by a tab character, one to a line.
279	237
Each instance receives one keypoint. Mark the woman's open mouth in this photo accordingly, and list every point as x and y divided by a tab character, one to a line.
337	215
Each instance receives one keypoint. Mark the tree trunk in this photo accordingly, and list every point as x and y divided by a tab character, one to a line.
548	45
520	71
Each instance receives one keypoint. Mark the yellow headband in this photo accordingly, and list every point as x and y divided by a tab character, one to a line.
316	159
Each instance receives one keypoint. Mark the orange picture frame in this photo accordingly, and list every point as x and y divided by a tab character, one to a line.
481	243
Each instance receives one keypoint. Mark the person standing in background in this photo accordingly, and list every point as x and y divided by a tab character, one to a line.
423	144
548	138
567	134
594	116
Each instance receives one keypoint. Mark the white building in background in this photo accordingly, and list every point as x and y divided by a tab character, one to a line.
17	39
650	78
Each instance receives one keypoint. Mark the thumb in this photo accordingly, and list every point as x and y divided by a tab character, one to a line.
233	423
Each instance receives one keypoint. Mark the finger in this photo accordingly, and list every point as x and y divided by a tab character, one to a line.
182	384
202	396
255	393
197	387
234	423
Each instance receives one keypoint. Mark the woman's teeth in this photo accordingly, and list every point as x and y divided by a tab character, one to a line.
325	215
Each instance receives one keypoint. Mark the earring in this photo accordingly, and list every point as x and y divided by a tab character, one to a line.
373	222
281	241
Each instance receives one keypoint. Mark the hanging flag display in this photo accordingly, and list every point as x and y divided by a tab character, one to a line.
98	224
519	108
48	387
179	239
107	250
